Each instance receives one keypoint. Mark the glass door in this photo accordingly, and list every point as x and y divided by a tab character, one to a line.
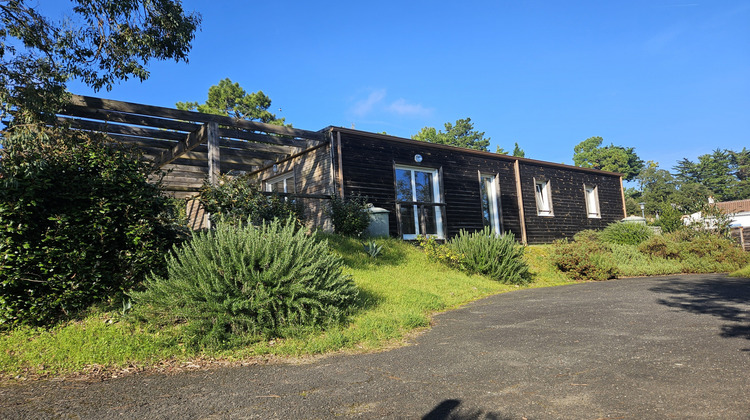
417	196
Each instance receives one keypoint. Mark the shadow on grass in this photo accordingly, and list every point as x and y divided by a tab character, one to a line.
720	296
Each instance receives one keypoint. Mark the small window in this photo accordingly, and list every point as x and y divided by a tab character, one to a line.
592	201
281	184
543	198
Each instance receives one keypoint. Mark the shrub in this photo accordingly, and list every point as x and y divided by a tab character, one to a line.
626	233
697	251
236	198
349	216
585	260
248	281
497	256
441	253
79	223
670	219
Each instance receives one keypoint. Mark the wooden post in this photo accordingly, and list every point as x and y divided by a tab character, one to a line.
341	169
214	158
624	207
521	214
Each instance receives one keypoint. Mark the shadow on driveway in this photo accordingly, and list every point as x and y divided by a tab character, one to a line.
726	298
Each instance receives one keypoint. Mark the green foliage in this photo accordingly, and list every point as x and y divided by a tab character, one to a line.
518	152
229	99
626	233
589	154
441	253
372	248
109	41
499	257
79	223
235	282
461	135
670	218
724	173
237	198
586	259
349	216
698	251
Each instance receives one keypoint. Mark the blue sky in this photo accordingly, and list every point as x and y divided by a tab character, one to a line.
668	77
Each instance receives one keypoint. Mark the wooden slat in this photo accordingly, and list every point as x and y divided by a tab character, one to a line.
107	115
122	129
100	103
265	138
191	142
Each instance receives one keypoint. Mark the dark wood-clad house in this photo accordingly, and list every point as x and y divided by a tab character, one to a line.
428	189
438	190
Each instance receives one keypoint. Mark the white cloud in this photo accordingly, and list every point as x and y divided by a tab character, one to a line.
401	107
365	106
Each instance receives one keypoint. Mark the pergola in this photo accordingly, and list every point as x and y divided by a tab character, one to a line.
193	147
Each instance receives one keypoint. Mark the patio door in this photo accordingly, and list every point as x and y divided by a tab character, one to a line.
418	202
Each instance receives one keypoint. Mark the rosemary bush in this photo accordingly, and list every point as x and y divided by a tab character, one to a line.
241	281
498	257
626	233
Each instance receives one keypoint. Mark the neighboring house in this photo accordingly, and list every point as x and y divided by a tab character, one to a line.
433	189
428	189
738	212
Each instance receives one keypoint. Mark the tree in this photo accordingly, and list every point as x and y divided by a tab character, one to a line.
723	172
231	100
589	154
113	40
518	152
461	135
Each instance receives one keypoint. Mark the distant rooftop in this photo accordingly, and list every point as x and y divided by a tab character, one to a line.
732	207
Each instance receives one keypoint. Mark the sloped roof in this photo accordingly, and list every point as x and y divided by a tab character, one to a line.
732	207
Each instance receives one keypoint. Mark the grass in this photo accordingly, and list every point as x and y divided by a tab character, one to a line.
400	291
743	272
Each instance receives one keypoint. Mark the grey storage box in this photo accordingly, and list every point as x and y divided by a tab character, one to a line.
379	225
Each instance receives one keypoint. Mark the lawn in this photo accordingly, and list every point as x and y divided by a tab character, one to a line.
400	290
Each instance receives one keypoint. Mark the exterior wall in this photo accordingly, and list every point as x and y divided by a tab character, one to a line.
568	201
312	175
367	164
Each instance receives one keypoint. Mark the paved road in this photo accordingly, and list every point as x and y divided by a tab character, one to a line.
667	347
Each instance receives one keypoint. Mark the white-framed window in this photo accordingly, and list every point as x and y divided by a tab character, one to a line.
490	202
543	198
591	193
283	183
417	189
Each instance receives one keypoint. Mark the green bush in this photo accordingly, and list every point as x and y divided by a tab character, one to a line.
349	216
670	219
626	233
236	198
497	256
237	282
584	260
697	251
440	252
79	224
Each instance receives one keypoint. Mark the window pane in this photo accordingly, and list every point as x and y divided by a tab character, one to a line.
403	185
429	220
423	184
407	220
486	206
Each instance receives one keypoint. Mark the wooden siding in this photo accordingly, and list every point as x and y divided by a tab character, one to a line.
312	175
568	202
368	169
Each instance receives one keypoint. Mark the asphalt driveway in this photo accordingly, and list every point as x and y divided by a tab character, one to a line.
665	347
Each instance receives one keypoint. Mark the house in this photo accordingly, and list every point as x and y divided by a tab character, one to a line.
738	212
432	189
427	189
